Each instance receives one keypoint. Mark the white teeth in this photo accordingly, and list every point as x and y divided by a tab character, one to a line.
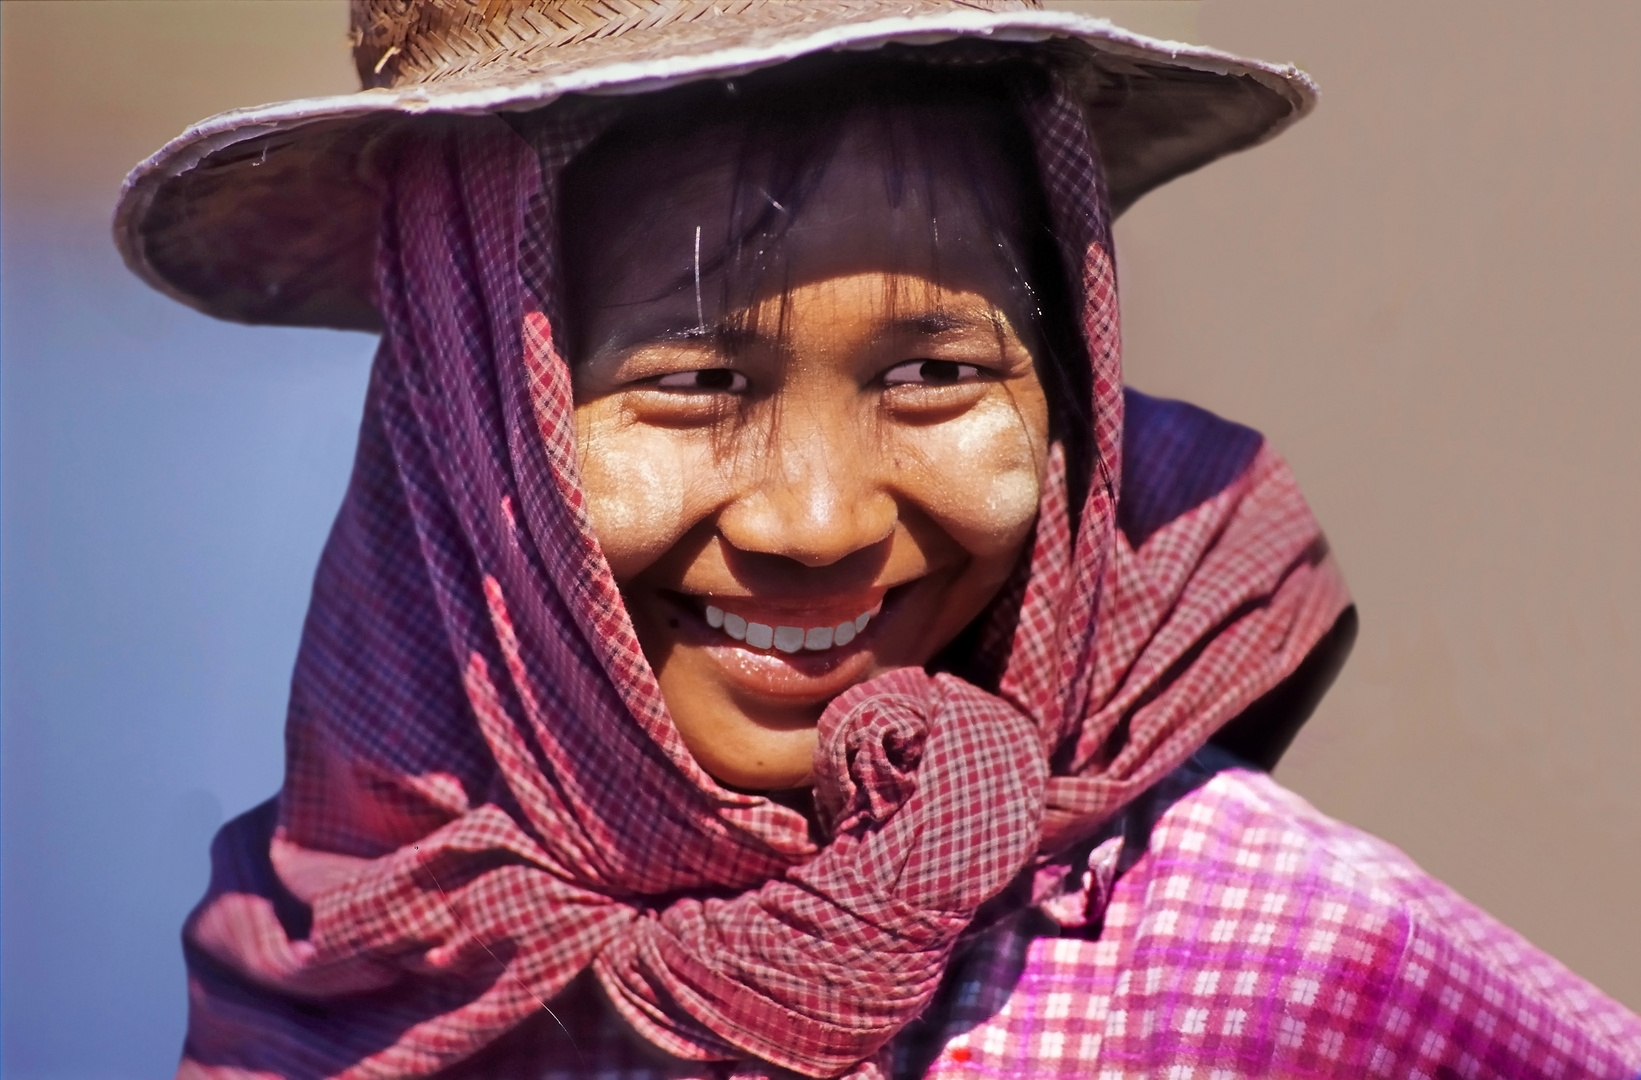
789	639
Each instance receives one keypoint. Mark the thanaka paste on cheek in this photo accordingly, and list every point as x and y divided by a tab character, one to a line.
984	474
635	480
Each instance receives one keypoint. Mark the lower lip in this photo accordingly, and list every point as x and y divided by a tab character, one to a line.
790	678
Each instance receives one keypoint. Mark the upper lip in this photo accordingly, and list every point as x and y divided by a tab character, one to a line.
793	611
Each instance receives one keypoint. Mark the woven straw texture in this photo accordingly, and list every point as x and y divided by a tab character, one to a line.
269	215
396	43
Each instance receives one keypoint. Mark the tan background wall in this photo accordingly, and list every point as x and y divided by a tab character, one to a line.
1428	295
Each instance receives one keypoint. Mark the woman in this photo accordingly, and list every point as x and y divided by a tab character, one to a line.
761	635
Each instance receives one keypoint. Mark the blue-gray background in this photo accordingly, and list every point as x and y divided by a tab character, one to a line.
168	482
1426	294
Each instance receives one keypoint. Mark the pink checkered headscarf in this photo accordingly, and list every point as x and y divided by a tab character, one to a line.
486	799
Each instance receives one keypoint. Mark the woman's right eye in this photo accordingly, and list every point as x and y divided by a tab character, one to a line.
704	381
931	373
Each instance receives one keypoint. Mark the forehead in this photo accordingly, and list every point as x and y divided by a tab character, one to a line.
914	189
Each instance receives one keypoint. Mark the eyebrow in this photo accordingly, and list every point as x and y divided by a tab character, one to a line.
668	330
929	324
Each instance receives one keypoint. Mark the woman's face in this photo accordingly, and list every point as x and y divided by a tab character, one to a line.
827	475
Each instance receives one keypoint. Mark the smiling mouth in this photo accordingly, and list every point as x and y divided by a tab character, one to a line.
787	638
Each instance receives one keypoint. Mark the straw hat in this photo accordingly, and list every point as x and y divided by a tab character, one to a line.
268	215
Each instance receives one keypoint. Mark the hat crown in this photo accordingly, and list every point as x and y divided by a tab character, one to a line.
400	43
271	214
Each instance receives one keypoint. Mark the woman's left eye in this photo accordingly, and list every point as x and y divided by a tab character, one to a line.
704	381
930	373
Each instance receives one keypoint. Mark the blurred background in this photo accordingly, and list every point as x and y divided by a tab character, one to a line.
1428	295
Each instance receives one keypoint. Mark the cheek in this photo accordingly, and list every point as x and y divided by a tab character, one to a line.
980	475
635	479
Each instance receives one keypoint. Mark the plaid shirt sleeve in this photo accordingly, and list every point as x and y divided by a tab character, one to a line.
1257	937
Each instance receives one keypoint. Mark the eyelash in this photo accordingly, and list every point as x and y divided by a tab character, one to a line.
910	373
704	380
932	373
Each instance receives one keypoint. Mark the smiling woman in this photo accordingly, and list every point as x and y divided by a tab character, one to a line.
814	453
762	635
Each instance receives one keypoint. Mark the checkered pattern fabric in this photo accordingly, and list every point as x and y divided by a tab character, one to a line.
1256	938
486	804
1251	937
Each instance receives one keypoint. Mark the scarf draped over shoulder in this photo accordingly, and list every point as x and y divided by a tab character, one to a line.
485	798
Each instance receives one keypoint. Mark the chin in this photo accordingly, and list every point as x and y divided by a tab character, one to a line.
761	763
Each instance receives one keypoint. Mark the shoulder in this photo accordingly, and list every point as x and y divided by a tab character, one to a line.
1320	946
1257	936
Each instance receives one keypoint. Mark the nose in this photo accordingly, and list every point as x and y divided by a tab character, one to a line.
812	490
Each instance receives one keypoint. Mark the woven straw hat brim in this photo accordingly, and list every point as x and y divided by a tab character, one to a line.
269	215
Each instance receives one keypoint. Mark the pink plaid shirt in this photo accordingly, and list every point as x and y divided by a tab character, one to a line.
1258	937
1253	937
